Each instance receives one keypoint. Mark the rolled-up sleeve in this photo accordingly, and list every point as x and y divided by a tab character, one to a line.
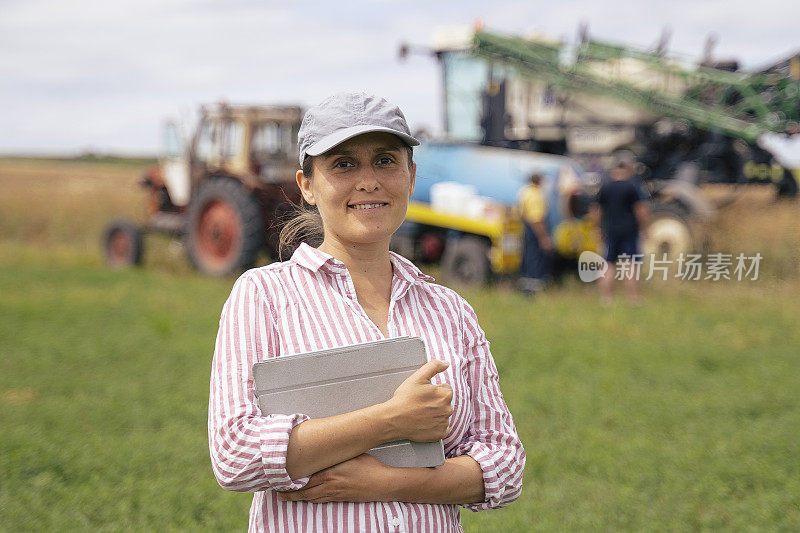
248	448
492	439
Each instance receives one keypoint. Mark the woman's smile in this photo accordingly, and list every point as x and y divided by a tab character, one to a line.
371	206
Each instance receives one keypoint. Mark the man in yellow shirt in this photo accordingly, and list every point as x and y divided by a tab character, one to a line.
537	243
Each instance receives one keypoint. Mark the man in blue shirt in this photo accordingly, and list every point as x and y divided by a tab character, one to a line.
624	215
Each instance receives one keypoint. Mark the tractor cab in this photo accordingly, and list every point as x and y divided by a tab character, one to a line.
255	143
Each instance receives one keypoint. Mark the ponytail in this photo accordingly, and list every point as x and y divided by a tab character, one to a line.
304	226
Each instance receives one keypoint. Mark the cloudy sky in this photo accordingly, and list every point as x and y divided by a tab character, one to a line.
78	75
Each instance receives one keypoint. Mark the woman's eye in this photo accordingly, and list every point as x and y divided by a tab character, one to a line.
383	161
343	164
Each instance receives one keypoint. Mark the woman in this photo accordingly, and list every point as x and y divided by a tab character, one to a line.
313	474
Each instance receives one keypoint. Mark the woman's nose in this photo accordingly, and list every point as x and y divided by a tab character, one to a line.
367	180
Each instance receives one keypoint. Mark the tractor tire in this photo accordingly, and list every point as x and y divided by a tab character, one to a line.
669	232
224	228
466	261
122	244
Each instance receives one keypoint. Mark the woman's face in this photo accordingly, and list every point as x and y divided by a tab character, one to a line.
361	188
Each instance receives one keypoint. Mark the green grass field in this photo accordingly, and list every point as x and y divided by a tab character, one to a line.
682	414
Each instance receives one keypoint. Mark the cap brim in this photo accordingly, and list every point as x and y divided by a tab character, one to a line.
338	137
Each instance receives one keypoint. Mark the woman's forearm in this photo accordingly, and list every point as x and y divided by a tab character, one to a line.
458	480
418	410
322	442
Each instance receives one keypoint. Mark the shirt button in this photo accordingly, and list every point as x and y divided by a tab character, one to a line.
395	521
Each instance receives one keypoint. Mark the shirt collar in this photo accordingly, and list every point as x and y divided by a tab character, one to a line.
407	270
315	259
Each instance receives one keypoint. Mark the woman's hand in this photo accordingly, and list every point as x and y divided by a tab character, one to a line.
419	410
360	479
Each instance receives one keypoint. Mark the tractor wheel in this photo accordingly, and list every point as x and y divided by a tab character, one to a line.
466	261
225	229
122	244
669	233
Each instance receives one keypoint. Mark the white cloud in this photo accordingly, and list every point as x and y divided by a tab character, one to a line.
105	74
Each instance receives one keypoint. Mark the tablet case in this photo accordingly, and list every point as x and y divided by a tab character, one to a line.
339	380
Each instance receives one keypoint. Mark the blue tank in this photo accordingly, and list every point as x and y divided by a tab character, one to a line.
497	173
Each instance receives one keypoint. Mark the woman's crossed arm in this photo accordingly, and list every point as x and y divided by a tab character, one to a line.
419	411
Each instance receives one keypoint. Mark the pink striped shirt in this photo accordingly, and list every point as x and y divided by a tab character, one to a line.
309	303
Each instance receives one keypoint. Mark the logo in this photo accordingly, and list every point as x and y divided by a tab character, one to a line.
591	266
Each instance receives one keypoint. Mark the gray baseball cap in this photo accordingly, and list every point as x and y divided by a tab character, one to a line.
343	116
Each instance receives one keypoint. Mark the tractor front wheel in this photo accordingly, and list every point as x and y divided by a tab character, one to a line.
122	244
225	229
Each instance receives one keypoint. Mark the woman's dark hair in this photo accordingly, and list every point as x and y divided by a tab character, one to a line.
306	223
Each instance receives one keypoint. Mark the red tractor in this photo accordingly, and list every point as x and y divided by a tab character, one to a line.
225	193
